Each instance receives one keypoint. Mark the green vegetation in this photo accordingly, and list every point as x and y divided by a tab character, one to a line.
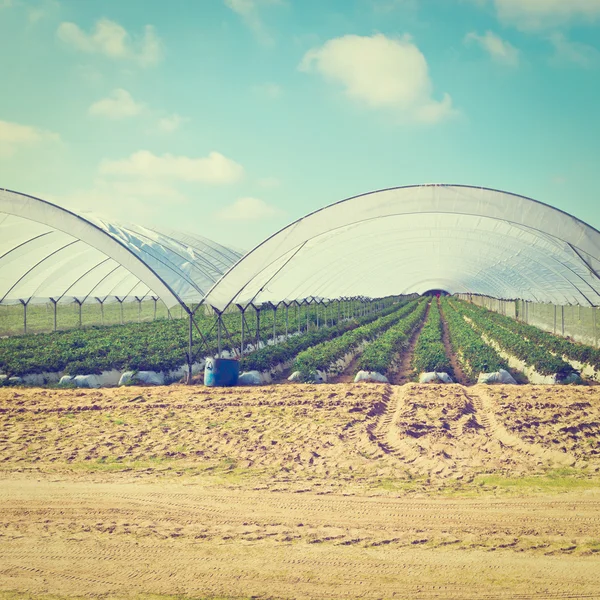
380	354
323	356
553	343
270	356
430	354
474	355
530	353
156	346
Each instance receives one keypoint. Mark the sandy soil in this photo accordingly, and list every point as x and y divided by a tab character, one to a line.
300	491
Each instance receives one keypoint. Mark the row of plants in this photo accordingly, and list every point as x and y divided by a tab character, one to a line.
379	356
430	354
270	356
155	346
554	343
474	355
529	352
323	357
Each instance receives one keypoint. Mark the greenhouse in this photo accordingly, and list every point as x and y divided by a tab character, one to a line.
456	238
49	254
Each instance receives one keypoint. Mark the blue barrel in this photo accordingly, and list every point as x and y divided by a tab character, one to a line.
221	372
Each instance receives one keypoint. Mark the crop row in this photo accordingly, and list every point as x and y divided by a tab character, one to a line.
159	345
324	356
430	353
270	356
379	356
473	354
512	343
553	343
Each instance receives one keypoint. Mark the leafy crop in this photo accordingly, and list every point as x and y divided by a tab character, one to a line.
530	353
430	353
158	345
323	356
270	356
379	355
474	355
549	341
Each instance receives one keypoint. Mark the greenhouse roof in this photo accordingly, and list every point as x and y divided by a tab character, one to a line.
48	252
412	239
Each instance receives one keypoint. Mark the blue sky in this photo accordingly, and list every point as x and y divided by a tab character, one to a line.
233	117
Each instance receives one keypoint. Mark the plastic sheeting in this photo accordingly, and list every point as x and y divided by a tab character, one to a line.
417	238
49	252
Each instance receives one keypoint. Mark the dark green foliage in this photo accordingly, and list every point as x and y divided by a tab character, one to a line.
379	355
430	354
270	356
472	352
529	352
323	356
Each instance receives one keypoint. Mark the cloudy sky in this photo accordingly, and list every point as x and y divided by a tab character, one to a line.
233	117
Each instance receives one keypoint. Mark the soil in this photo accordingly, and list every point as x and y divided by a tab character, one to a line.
405	372
288	491
458	374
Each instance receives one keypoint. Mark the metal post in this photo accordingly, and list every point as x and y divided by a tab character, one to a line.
219	345
54	306
190	346
562	320
298	317
139	310
338	318
287	321
317	313
24	315
257	327
155	300
79	304
242	333
307	318
274	325
121	309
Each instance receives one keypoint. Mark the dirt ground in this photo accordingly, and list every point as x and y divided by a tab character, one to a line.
300	491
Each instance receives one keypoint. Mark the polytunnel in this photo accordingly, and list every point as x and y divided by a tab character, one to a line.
50	253
412	239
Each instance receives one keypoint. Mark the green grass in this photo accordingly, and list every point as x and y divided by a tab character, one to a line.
554	481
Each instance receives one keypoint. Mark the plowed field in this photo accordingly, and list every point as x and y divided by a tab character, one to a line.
299	491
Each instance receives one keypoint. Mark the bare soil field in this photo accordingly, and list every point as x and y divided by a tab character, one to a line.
300	491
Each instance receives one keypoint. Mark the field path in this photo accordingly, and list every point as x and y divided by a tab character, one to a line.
90	538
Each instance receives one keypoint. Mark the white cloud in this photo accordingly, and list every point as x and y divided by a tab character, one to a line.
248	10
269	90
381	72
214	169
540	14
567	52
119	105
171	123
500	50
248	209
14	136
113	40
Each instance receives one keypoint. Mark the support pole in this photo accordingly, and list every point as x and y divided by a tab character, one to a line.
79	304
190	357
155	300
287	321
54	302
274	325
242	333
307	319
219	341
24	314
257	327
